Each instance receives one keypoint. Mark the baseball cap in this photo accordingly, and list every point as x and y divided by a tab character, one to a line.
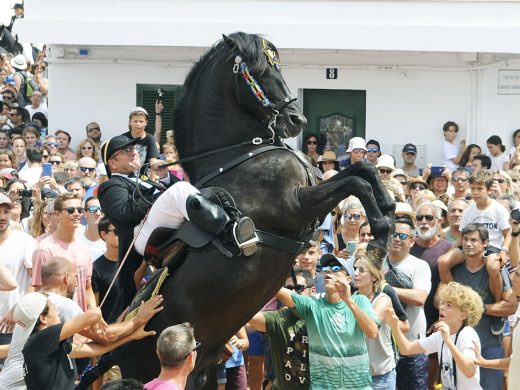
119	142
27	311
410	148
328	258
138	110
9	80
4	199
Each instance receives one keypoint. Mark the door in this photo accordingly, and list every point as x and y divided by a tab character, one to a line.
335	116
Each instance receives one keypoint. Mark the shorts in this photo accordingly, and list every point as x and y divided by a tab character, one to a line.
256	346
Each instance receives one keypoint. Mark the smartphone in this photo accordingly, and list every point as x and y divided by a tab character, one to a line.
47	169
351	247
436	171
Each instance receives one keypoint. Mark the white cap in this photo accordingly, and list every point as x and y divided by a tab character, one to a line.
356	143
138	110
385	161
27	311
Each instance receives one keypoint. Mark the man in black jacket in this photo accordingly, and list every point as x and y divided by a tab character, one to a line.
126	199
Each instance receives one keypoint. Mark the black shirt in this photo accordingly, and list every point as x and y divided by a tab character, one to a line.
103	272
47	364
145	146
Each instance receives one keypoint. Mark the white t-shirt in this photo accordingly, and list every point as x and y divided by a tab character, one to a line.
31	175
449	151
497	163
419	272
495	218
434	343
16	257
97	248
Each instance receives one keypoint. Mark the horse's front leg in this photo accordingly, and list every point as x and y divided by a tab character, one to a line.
317	201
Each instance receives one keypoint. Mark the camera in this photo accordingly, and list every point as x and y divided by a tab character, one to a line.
25	193
515	214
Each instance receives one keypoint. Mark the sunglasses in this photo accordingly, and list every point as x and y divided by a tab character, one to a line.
299	288
14	114
86	147
372	150
55	162
416	186
195	349
312	142
333	268
360	269
410	153
93	209
45	156
402	236
358	150
501	181
385	171
403	183
420	217
459	180
514	180
93	129
71	210
87	169
355	217
51	144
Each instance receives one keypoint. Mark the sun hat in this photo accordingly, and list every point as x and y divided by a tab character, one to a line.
27	311
417	179
356	143
399	172
385	161
328	155
19	62
402	208
329	258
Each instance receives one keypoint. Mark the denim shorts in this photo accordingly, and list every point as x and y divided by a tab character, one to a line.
385	381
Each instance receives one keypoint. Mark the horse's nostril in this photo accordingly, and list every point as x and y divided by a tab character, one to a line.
298	120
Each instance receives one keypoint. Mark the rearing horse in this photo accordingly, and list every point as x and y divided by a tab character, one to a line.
228	125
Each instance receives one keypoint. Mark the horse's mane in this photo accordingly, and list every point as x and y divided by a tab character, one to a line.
248	46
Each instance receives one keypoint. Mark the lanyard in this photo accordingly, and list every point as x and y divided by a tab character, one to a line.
452	362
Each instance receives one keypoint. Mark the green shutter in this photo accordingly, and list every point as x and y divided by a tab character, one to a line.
147	95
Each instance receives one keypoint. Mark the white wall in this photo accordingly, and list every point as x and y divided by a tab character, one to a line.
400	109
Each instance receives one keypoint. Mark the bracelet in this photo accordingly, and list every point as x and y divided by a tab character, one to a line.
158	113
516	234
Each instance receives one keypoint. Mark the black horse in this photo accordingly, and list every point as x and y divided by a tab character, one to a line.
235	110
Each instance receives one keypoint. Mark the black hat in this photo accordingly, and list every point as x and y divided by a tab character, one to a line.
18	6
410	148
109	148
328	259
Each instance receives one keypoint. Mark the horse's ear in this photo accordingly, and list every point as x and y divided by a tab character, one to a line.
228	41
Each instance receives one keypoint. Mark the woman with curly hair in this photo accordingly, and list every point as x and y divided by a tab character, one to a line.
87	148
454	338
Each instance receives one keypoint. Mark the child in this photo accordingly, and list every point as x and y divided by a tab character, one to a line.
495	217
454	338
147	148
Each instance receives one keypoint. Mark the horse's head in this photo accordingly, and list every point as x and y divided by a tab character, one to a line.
260	87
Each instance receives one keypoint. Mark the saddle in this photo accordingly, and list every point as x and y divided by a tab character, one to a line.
167	246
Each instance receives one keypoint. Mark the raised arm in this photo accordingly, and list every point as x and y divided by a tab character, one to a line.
258	322
285	296
406	347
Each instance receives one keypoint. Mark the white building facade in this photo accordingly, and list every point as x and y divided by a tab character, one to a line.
403	68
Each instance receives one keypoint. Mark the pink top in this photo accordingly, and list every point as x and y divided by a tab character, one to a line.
158	384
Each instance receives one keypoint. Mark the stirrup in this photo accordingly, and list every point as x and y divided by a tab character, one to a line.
245	235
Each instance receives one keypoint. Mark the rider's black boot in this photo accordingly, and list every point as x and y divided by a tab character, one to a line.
212	218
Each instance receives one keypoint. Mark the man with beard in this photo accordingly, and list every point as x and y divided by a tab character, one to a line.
411	279
93	131
455	209
428	247
87	168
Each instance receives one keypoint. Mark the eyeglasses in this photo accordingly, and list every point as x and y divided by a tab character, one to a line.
299	288
128	151
501	181
87	169
459	179
402	236
71	210
385	171
86	147
355	217
113	230
93	209
360	269
55	162
416	186
195	349
333	268
372	150
51	144
312	142
420	217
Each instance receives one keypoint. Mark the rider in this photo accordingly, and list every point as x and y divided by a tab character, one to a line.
126	199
